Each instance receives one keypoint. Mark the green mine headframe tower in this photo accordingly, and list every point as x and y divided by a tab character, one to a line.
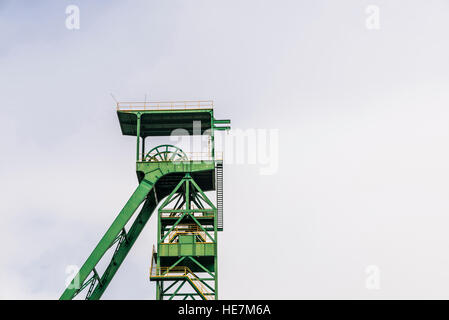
178	184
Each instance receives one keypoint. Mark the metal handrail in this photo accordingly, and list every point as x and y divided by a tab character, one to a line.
208	213
165	105
181	271
189	230
192	156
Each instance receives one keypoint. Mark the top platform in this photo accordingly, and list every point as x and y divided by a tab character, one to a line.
161	118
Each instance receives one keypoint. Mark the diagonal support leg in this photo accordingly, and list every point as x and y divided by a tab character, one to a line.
124	248
105	243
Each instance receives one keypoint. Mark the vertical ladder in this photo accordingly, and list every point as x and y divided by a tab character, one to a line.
220	196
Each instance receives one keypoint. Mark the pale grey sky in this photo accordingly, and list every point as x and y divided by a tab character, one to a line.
363	124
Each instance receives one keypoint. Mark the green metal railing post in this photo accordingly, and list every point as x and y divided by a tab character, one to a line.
143	149
138	135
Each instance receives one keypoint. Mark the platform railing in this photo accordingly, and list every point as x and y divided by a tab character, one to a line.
182	272
165	105
187	230
192	156
197	213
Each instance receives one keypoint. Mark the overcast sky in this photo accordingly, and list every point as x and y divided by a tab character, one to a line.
362	118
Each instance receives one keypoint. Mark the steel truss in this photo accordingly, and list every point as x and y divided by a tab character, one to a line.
187	213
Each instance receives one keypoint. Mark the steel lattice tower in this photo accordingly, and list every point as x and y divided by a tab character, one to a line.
184	264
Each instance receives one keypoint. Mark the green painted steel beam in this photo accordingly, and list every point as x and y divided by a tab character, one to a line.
188	211
222	128
124	248
192	193
119	223
177	290
225	121
152	173
163	122
170	286
143	123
